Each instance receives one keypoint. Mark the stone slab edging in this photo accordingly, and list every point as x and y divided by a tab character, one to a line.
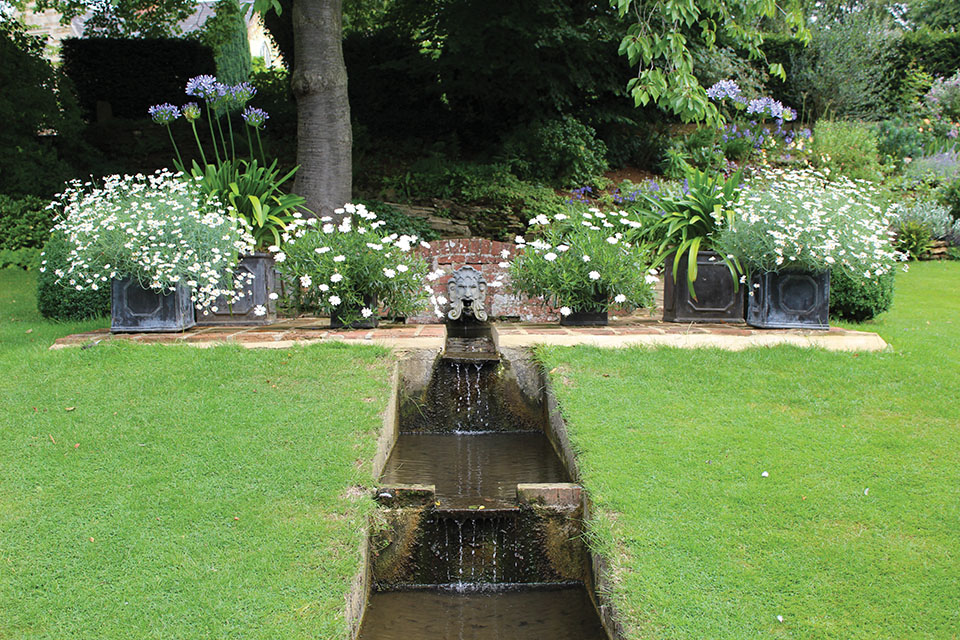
632	332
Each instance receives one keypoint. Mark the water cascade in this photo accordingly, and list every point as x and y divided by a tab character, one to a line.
481	528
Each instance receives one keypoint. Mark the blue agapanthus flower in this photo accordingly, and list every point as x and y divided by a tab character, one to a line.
243	92
766	106
191	111
724	89
255	117
164	113
200	86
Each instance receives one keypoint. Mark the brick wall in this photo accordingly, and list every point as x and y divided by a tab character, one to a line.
485	256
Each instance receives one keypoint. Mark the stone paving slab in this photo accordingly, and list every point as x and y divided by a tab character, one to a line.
620	333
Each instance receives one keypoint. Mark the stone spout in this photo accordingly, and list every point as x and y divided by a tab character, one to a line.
467	291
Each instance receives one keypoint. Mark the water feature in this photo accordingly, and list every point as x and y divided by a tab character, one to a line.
480	532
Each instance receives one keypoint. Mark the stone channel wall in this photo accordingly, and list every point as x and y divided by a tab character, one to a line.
485	256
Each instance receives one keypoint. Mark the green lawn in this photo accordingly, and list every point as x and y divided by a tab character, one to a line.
855	532
175	492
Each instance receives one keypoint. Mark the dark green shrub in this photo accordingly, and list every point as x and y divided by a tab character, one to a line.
898	139
59	302
849	148
24	222
36	100
950	196
132	75
226	34
397	221
858	298
28	258
562	153
914	238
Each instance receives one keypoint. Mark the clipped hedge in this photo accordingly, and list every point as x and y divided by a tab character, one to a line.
132	75
25	223
58	302
858	299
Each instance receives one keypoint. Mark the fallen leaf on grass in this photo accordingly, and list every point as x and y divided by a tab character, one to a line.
51	438
69	408
76	446
29	330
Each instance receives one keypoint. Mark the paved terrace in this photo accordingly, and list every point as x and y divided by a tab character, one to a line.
620	333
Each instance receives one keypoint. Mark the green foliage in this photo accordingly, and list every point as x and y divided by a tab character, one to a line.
914	85
505	201
41	122
949	193
562	153
898	139
855	298
936	51
354	268
27	258
934	217
226	34
676	162
845	72
57	301
581	261
847	148
132	75
685	221
126	19
944	97
254	193
935	14
914	238
396	221
24	222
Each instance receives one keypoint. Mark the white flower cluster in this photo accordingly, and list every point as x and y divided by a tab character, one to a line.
348	260
160	229
802	220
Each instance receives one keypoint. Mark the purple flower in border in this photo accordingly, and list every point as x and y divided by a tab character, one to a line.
243	92
200	86
766	106
164	113
255	117
190	111
724	89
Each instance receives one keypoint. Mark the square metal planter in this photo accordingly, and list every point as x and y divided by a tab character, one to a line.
134	309
789	300
256	293
718	297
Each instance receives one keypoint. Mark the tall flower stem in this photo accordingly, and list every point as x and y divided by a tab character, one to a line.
203	156
249	143
223	139
213	136
263	157
175	148
233	150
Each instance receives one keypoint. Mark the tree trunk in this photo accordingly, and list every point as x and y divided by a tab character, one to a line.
319	82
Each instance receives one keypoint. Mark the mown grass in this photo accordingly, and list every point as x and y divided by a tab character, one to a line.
854	533
175	492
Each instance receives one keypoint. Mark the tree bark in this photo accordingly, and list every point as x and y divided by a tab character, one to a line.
319	83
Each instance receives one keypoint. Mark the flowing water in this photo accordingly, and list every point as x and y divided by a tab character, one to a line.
474	564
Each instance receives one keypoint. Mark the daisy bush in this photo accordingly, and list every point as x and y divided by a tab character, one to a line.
159	229
803	221
582	261
351	266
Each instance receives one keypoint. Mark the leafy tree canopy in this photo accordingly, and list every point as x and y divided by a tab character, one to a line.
121	18
663	34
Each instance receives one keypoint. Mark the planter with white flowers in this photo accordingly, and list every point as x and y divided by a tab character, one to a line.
164	246
790	230
347	267
581	262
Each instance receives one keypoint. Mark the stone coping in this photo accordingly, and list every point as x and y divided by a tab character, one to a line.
620	333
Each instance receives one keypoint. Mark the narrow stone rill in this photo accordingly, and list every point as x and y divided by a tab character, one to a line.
481	528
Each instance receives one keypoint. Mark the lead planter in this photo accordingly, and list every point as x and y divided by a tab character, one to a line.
789	300
134	309
256	292
580	318
719	299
